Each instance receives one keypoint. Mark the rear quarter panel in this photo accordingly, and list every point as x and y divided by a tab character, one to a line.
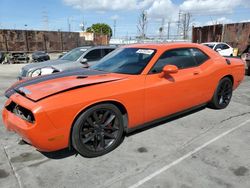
237	70
219	68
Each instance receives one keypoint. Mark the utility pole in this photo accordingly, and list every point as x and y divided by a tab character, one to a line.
69	25
178	24
161	29
184	25
83	24
169	28
26	38
45	20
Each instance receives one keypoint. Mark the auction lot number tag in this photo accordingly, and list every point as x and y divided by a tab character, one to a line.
145	51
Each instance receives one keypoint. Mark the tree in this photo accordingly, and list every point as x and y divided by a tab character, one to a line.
100	28
142	24
185	24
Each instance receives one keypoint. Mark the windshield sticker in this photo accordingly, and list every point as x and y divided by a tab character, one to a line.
83	50
145	51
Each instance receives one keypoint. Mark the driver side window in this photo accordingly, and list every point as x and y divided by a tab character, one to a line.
182	58
93	55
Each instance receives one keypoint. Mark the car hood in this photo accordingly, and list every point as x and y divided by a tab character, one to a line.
50	63
42	87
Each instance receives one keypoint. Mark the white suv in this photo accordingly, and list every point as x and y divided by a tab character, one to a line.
222	48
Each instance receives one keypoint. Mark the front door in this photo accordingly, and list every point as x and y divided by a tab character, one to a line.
175	92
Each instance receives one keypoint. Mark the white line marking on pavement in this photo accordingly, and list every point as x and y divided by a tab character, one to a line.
168	166
13	169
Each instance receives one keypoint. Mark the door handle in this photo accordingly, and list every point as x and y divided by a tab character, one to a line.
196	72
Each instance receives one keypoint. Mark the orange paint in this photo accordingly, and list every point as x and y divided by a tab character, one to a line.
146	97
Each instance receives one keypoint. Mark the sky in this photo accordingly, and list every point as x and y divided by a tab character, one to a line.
67	15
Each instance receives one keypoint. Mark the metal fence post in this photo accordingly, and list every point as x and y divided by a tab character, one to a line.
6	43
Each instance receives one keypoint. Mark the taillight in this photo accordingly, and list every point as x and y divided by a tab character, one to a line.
21	112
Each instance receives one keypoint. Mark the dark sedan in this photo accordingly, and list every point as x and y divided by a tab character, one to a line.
40	56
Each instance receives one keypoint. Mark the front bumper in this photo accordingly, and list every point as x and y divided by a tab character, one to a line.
41	134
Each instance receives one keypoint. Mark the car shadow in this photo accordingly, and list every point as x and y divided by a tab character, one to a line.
164	120
60	154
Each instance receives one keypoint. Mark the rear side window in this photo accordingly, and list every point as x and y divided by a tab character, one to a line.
199	56
182	58
93	55
221	46
107	51
218	46
224	46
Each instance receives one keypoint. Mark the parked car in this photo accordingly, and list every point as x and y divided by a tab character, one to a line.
76	58
17	57
246	57
40	56
92	109
62	54
222	48
1	57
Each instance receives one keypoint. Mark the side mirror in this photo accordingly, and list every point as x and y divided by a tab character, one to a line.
83	61
169	69
218	49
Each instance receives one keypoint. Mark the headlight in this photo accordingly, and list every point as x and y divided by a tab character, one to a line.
36	73
42	71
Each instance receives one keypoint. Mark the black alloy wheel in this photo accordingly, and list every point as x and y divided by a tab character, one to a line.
223	94
98	130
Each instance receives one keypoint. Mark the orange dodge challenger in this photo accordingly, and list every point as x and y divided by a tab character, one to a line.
91	109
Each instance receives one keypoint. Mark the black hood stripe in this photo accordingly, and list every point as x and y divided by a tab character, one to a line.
72	88
39	79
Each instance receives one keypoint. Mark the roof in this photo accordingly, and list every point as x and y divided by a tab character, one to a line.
103	47
163	45
214	43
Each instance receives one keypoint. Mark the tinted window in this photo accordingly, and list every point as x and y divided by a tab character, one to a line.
125	61
39	53
218	46
106	51
210	45
199	56
182	58
221	46
93	55
74	54
224	46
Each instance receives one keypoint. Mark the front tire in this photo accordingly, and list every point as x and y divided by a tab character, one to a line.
223	94
98	130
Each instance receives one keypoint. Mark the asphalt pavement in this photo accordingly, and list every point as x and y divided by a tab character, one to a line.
206	148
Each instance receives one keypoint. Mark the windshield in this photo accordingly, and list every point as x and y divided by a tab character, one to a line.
74	54
125	61
39	53
210	45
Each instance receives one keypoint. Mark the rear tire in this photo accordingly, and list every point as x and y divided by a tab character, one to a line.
248	71
248	68
98	130
222	95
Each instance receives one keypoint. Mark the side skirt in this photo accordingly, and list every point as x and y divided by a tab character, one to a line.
168	118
